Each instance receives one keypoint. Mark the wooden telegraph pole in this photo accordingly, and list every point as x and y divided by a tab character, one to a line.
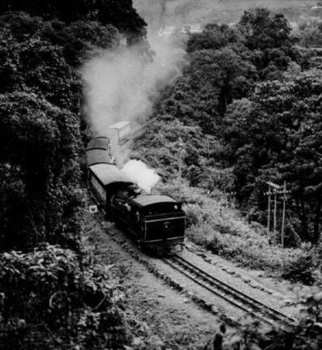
283	215
180	164
269	193
274	189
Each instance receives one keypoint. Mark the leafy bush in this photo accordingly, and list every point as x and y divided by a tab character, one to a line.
301	269
160	146
214	223
50	300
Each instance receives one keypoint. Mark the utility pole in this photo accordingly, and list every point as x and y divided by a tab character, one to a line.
272	189
275	208
283	215
180	164
269	193
276	190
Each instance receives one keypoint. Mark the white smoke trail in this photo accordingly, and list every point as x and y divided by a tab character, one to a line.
139	173
122	86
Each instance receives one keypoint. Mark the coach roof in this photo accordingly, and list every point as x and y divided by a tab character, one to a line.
144	201
100	142
108	174
96	156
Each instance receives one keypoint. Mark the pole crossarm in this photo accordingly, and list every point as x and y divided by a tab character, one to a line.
270	183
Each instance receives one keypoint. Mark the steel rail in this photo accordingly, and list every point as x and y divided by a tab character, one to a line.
230	294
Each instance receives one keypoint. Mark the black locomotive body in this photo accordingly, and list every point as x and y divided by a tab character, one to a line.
156	221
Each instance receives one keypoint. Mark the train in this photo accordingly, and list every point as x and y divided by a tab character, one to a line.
157	222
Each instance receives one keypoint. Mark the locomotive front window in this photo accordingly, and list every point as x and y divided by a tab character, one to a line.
162	208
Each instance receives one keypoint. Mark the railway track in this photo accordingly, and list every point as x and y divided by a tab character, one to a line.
230	294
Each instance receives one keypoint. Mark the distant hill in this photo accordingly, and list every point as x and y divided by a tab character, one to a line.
170	12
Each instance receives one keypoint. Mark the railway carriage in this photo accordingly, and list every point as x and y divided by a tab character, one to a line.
105	180
98	151
100	142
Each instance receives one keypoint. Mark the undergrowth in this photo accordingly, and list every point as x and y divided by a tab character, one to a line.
215	224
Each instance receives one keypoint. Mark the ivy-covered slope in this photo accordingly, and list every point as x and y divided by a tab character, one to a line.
52	295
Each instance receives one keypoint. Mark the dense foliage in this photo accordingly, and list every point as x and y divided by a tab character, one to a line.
289	113
40	99
111	12
24	38
253	93
51	297
41	93
256	95
40	174
49	301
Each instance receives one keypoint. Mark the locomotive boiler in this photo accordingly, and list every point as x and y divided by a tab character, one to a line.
156	221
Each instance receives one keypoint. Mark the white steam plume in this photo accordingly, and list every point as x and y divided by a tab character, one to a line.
139	173
123	86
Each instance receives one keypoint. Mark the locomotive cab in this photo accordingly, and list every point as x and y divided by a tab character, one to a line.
158	222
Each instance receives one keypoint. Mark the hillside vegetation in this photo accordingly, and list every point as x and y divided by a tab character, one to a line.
247	110
52	294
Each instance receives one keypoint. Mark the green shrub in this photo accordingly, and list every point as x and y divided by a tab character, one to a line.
300	269
50	300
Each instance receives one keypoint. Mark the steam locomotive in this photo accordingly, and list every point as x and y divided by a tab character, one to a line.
156	221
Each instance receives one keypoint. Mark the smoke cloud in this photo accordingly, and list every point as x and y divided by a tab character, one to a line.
139	173
125	84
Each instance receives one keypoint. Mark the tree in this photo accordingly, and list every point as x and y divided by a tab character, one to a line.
30	63
39	167
209	84
76	40
281	140
122	15
213	37
268	35
310	34
264	30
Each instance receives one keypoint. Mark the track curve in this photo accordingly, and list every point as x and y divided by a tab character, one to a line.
235	297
